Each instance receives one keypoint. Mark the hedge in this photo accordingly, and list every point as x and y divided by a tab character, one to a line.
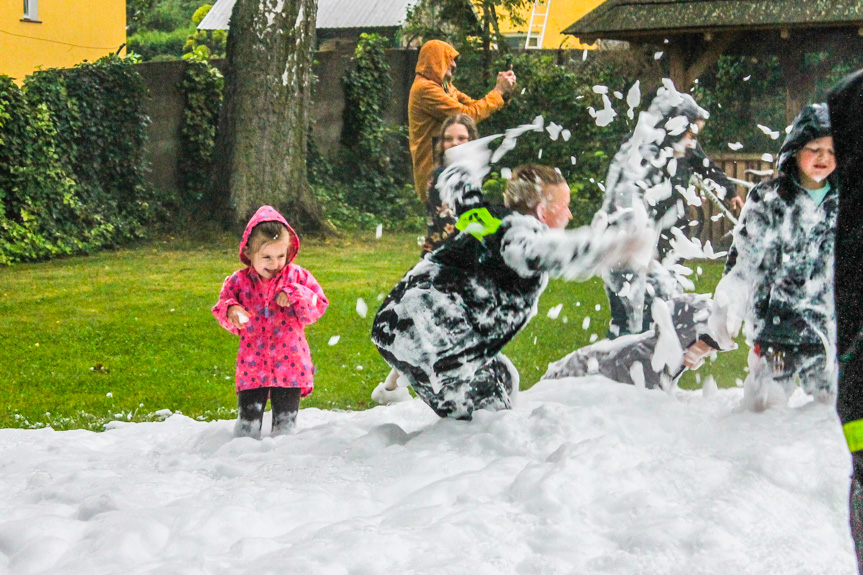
72	161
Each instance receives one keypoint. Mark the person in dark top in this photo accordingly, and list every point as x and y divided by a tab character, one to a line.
440	217
846	104
445	324
652	171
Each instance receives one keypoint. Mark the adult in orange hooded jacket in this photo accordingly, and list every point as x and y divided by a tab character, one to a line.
433	99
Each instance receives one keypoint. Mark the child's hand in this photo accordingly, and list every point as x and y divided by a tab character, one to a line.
723	322
694	356
735	203
282	299
238	316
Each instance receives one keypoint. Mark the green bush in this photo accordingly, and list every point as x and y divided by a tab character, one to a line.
99	112
372	172
322	178
561	93
160	45
167	15
740	93
72	161
205	43
39	212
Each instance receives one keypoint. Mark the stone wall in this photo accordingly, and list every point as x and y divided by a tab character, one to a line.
165	106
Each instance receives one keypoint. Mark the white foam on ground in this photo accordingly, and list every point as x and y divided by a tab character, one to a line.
583	476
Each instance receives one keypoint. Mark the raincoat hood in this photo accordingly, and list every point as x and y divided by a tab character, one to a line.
268	214
434	60
811	123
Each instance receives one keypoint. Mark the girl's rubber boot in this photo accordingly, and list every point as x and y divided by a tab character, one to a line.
248	428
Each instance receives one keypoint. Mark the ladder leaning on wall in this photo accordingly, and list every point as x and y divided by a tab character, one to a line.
536	25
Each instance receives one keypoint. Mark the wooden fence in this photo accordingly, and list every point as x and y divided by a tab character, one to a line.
746	167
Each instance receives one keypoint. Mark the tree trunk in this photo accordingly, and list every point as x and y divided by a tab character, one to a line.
486	42
262	143
498	37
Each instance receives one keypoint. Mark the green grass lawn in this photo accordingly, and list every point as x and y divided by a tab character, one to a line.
124	334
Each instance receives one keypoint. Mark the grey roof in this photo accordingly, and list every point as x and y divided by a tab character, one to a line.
619	19
331	14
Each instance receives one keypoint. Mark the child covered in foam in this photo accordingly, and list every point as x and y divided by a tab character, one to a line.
779	274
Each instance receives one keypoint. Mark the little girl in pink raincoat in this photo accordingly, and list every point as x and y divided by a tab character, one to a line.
268	304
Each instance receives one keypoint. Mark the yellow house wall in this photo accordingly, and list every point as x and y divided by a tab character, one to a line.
562	15
68	32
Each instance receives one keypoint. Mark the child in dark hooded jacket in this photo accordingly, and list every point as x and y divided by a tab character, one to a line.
445	324
268	304
779	273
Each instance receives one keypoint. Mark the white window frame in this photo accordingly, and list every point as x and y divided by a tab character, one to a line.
31	10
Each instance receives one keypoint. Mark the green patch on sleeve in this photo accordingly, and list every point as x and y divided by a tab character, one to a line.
478	223
854	434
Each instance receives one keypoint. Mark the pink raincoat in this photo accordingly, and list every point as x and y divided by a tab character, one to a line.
273	347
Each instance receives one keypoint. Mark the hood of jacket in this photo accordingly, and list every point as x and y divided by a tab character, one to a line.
434	60
675	112
268	214
811	123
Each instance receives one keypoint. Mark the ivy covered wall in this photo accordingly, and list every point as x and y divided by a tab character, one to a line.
72	164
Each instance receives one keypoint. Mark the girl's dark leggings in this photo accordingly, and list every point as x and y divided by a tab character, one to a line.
285	402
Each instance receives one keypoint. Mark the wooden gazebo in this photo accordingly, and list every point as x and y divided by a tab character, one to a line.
696	32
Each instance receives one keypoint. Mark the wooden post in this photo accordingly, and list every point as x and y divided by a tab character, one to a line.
799	86
689	58
713	49
677	61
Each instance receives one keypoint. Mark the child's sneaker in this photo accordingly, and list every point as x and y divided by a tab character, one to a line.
385	396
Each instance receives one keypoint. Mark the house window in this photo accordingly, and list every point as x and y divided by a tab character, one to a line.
31	11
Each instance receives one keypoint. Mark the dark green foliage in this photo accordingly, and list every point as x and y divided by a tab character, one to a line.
741	93
101	125
561	93
373	168
367	90
136	11
71	161
39	212
202	88
832	67
448	20
330	192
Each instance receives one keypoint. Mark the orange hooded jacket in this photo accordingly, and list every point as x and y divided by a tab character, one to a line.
431	102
